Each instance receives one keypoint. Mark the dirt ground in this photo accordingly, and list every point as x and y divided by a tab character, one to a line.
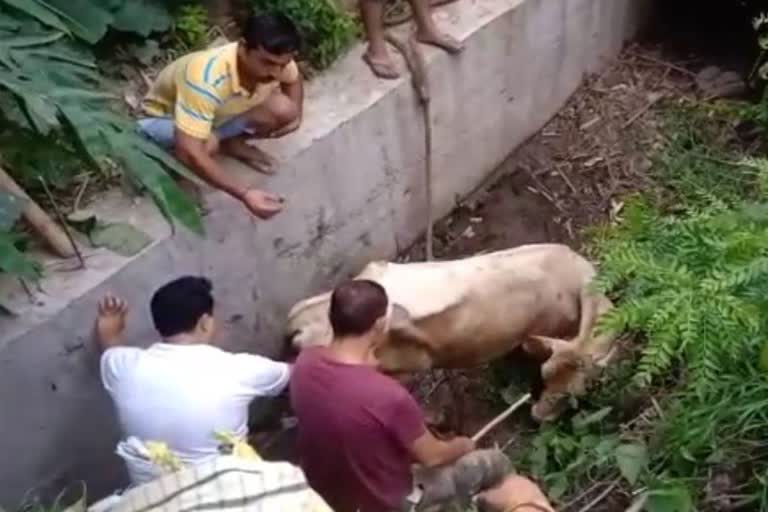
570	176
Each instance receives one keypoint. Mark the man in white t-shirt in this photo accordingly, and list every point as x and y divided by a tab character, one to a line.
182	390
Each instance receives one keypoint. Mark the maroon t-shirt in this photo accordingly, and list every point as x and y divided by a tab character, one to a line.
354	427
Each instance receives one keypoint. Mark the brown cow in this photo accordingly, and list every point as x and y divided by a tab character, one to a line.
467	312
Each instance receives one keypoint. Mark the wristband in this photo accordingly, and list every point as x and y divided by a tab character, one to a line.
242	193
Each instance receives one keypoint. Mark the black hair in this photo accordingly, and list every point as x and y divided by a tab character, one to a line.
273	32
178	305
355	307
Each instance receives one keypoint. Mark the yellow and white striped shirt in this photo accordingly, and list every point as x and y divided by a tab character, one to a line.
202	90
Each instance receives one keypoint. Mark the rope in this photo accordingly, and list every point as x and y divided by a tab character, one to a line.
414	59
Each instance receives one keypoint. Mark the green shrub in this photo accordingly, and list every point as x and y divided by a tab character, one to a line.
694	285
326	29
190	26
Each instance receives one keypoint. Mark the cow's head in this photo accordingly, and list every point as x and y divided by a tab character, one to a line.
568	369
403	348
308	323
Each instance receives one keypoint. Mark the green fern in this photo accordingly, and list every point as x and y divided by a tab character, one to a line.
692	284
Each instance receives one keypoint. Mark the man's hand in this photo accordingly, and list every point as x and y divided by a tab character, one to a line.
110	322
464	444
431	452
262	204
515	493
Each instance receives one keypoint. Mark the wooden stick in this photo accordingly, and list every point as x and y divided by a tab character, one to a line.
592	504
63	222
39	220
501	417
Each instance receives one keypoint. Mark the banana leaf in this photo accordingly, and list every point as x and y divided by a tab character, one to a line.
89	20
10	210
41	12
57	88
13	261
101	138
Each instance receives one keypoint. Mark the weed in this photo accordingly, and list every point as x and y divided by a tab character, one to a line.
190	27
327	30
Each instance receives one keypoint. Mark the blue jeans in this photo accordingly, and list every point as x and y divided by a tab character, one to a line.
160	129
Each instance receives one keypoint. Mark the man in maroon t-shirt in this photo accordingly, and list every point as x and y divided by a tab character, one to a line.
359	430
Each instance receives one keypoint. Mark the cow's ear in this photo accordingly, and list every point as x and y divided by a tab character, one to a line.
542	347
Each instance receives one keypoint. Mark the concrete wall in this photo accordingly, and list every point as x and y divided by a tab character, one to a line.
353	176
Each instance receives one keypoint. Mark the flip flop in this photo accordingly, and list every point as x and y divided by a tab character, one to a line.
380	69
454	47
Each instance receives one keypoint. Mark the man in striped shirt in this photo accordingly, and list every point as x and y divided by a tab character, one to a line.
216	99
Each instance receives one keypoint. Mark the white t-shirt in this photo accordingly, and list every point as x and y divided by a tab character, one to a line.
183	394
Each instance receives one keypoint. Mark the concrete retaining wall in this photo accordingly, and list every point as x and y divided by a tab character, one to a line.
354	183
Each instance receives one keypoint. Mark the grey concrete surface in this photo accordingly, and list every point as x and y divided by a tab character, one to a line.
353	176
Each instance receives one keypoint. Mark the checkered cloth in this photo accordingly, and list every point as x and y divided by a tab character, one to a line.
227	483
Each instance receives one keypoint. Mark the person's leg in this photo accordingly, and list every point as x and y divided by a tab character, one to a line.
157	129
426	30
376	55
260	122
471	474
160	130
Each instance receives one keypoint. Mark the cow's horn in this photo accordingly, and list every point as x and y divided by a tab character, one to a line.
550	342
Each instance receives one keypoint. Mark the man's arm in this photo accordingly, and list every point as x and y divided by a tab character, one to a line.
430	451
193	153
260	375
408	426
295	91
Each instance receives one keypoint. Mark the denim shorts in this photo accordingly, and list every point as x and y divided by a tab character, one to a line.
160	129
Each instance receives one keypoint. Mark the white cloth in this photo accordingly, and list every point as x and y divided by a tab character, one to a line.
183	394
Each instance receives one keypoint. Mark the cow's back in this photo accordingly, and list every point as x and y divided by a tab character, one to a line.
478	308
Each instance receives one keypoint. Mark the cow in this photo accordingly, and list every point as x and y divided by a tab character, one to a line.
463	313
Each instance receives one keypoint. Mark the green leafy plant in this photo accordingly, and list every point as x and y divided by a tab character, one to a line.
89	20
11	259
190	26
51	89
58	90
692	284
326	29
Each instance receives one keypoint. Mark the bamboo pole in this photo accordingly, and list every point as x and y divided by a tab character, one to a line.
41	223
501	417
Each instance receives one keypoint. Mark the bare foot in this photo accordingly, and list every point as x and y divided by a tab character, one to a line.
382	67
110	322
440	40
250	155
